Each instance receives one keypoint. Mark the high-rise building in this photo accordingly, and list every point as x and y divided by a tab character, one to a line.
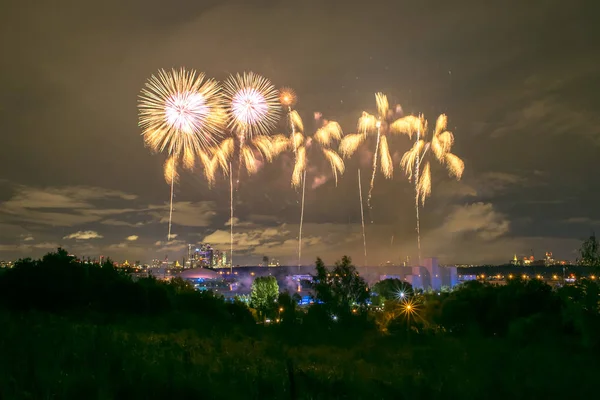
200	256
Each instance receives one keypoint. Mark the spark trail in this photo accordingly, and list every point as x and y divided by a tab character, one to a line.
417	167
301	220
362	217
181	114
230	219
172	194
387	123
374	171
439	148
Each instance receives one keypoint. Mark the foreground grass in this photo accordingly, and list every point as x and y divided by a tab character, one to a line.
46	356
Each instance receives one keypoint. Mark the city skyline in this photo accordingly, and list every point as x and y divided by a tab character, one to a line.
75	174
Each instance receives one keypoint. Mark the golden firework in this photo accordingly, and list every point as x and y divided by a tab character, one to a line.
329	132
181	113
253	106
384	124
416	159
287	97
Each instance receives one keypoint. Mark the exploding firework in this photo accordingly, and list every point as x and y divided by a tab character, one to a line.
181	113
326	135
253	105
252	109
440	146
386	123
287	97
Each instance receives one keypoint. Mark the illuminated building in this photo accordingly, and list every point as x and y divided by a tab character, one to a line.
432	276
205	279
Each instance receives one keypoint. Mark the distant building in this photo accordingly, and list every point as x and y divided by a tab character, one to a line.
431	276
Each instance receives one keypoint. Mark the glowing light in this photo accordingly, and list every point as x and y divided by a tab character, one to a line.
410	308
249	106
287	96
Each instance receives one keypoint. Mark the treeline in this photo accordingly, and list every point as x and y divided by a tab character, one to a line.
75	330
58	284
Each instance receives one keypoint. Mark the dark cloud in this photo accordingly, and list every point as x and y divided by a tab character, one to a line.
518	80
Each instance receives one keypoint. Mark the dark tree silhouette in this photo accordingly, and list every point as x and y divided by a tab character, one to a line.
589	253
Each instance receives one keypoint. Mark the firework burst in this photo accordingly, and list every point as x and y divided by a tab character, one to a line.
181	113
287	97
253	105
252	111
440	147
326	135
387	122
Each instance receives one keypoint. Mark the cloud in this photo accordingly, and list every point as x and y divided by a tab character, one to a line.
118	246
479	218
84	235
27	247
483	185
582	221
319	181
187	213
235	221
28	238
171	247
65	206
132	238
115	222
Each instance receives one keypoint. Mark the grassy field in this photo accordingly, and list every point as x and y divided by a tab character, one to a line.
52	357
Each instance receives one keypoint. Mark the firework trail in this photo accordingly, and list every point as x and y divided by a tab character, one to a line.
287	98
387	123
362	217
252	111
231	220
417	165
370	195
181	113
323	138
301	220
440	146
170	175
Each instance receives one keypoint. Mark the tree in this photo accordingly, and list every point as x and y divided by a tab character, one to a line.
389	289
589	252
264	294
266	261
341	288
180	285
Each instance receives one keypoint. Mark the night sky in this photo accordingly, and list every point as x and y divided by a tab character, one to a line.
519	81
